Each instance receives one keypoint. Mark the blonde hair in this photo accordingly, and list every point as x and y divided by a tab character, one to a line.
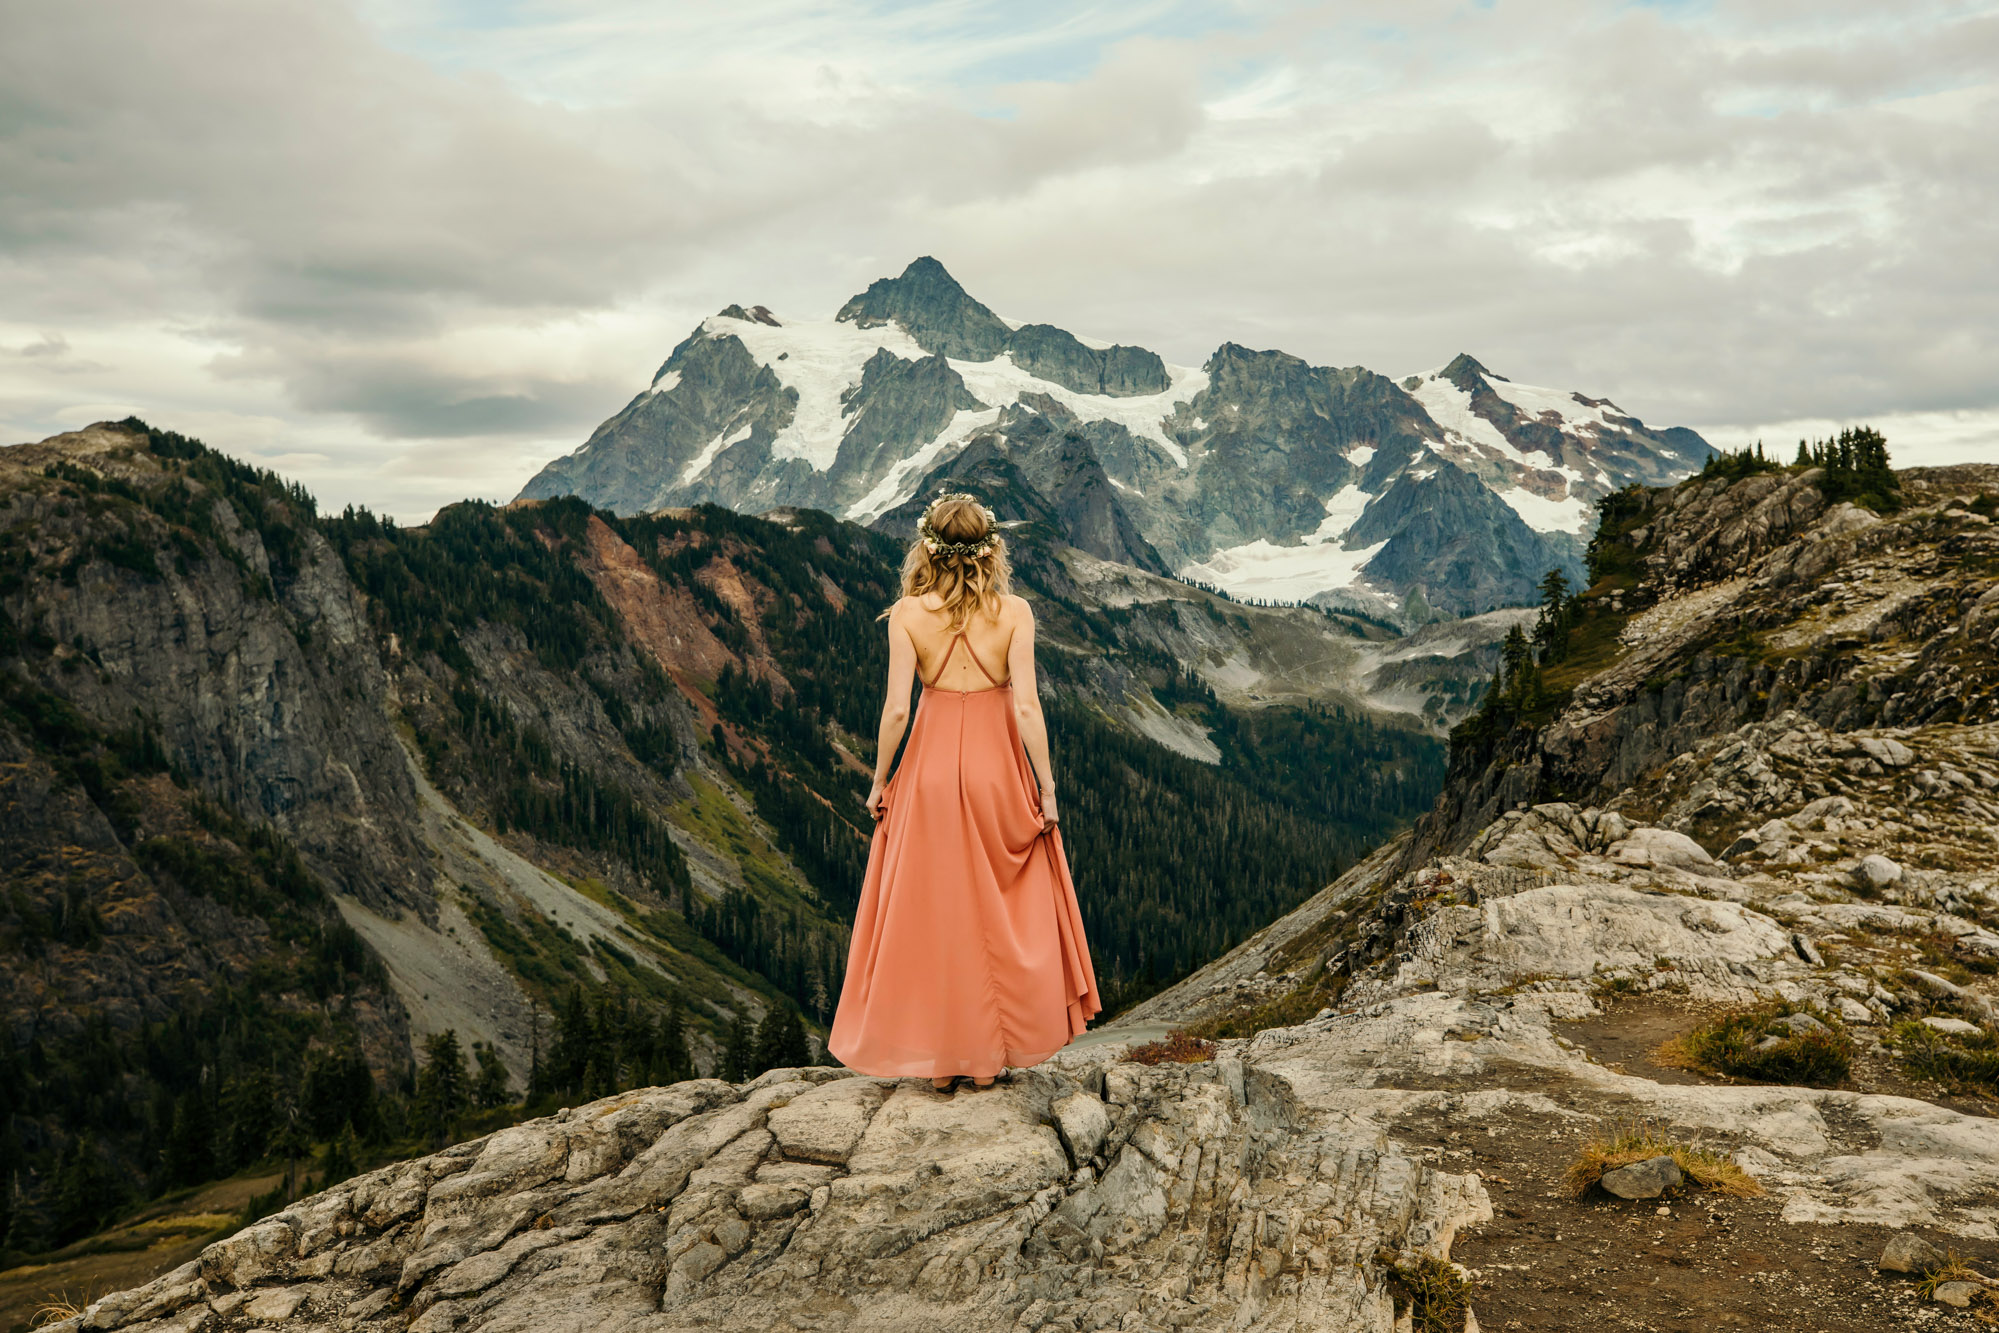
959	555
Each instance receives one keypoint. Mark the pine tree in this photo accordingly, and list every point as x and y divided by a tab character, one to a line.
671	1063
491	1087
291	1143
738	1052
190	1155
85	1193
27	1220
443	1085
1551	628
343	1158
1515	657
250	1111
780	1040
338	1089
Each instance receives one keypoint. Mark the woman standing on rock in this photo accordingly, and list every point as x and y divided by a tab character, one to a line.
968	952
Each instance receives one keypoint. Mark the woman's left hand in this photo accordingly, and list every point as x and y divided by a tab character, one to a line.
877	800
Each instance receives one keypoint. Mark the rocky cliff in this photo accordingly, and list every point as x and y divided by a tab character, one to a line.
1408	1071
1256	471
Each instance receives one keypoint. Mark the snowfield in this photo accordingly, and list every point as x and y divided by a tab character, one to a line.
821	360
1263	570
1572	513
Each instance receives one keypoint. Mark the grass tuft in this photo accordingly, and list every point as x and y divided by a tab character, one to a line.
1729	1044
1966	1064
1624	1144
58	1306
1175	1048
1954	1268
1437	1293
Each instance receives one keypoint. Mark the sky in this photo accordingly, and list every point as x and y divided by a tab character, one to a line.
406	251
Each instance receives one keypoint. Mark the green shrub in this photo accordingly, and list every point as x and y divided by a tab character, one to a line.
1968	1063
1435	1292
1739	1043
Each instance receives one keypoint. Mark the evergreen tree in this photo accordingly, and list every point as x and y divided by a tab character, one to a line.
608	1037
27	1222
86	1191
338	1089
780	1041
738	1051
343	1158
190	1155
1514	658
569	1057
490	1088
291	1144
671	1062
1551	628
443	1087
250	1110
1855	467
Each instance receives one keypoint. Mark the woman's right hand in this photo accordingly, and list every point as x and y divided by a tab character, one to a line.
1049	814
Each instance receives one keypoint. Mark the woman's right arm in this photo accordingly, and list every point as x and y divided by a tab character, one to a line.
1027	707
895	707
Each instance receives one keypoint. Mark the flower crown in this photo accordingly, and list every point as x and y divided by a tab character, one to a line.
936	545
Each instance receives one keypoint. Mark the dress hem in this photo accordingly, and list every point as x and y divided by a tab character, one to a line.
932	1069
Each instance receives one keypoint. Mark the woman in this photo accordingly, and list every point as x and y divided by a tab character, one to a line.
968	951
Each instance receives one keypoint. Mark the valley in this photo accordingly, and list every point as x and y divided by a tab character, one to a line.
292	795
1675	1011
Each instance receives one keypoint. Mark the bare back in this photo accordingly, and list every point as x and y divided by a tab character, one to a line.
978	663
992	653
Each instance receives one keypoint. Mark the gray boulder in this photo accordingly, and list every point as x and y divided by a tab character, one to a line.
1665	849
1906	1252
1643	1180
1874	873
1959	1294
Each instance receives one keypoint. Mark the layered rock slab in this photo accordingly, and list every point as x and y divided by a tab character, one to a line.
1094	1193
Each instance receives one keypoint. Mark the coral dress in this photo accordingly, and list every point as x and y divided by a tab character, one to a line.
968	952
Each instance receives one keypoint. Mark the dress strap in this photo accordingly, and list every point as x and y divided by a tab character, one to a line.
955	640
939	675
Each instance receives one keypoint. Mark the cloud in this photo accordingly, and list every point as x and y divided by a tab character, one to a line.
433	251
49	345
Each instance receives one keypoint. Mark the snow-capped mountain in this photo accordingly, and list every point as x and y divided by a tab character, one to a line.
1255	472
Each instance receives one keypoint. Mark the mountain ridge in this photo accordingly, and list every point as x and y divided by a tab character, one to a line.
1248	472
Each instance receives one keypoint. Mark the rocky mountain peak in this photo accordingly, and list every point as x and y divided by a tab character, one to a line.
1247	472
927	302
1468	373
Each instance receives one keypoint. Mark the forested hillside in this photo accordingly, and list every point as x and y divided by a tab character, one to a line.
324	836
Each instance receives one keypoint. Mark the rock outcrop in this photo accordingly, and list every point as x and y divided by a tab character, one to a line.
1088	1193
1774	651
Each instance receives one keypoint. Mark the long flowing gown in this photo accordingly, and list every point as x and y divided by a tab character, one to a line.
968	952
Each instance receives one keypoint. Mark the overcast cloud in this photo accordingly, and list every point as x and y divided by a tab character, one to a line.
407	251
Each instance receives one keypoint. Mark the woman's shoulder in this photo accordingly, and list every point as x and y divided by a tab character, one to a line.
1015	607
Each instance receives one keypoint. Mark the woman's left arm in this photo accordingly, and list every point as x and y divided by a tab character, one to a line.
895	707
